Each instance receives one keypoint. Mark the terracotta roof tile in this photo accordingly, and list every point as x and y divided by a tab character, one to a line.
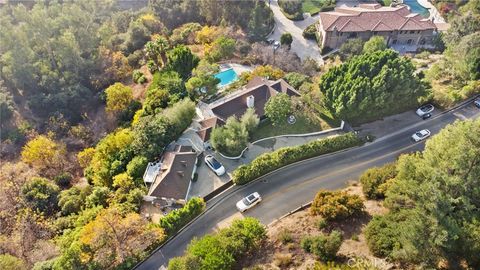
373	18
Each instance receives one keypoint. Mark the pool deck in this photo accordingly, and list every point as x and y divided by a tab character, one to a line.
434	14
239	69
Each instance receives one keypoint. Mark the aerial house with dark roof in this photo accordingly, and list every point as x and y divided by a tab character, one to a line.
170	178
254	95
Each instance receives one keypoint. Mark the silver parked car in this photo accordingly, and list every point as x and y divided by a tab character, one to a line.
424	110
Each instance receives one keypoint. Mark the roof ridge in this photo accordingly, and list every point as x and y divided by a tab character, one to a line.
410	20
350	21
379	23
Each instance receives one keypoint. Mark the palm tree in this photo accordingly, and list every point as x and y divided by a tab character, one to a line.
156	48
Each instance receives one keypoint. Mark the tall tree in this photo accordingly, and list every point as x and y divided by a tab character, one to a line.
112	238
384	84
44	154
375	43
41	195
119	97
435	197
278	108
182	60
156	50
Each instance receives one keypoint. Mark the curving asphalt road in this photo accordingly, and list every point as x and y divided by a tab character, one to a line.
296	184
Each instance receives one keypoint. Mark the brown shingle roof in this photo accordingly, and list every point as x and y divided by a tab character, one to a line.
175	174
261	89
372	17
207	127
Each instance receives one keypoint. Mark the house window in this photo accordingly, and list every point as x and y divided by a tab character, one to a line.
352	35
394	42
375	32
422	41
412	32
409	42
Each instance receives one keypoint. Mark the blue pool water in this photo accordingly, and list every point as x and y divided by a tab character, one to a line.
415	7
226	77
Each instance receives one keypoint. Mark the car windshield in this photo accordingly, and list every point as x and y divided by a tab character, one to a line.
249	199
215	163
426	108
419	134
245	201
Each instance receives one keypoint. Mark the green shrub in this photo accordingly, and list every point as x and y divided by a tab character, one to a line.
334	205
223	249
138	76
325	247
285	236
269	162
176	219
310	32
292	9
296	79
63	179
382	234
373	179
136	167
321	223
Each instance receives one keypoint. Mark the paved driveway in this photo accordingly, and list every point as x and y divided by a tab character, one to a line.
302	47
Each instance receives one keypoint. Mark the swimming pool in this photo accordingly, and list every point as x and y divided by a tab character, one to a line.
226	77
415	7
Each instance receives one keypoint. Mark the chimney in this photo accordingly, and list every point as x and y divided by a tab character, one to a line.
250	101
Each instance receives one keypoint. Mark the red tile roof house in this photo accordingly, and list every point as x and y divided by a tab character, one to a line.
254	95
402	30
170	178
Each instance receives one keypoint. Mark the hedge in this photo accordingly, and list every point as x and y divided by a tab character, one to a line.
310	32
178	218
268	162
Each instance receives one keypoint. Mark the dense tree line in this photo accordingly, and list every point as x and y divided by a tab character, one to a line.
371	86
433	202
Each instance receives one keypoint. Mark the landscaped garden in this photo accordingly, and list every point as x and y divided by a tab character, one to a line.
315	6
302	125
294	10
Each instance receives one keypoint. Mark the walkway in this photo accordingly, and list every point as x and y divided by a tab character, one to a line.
302	47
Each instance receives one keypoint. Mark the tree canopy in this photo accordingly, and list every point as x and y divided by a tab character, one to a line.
278	108
375	43
370	86
432	202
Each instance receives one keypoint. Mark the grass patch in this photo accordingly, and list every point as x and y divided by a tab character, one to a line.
302	125
315	6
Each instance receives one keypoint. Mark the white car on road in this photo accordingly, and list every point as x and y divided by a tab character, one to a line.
421	135
424	110
216	166
248	202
